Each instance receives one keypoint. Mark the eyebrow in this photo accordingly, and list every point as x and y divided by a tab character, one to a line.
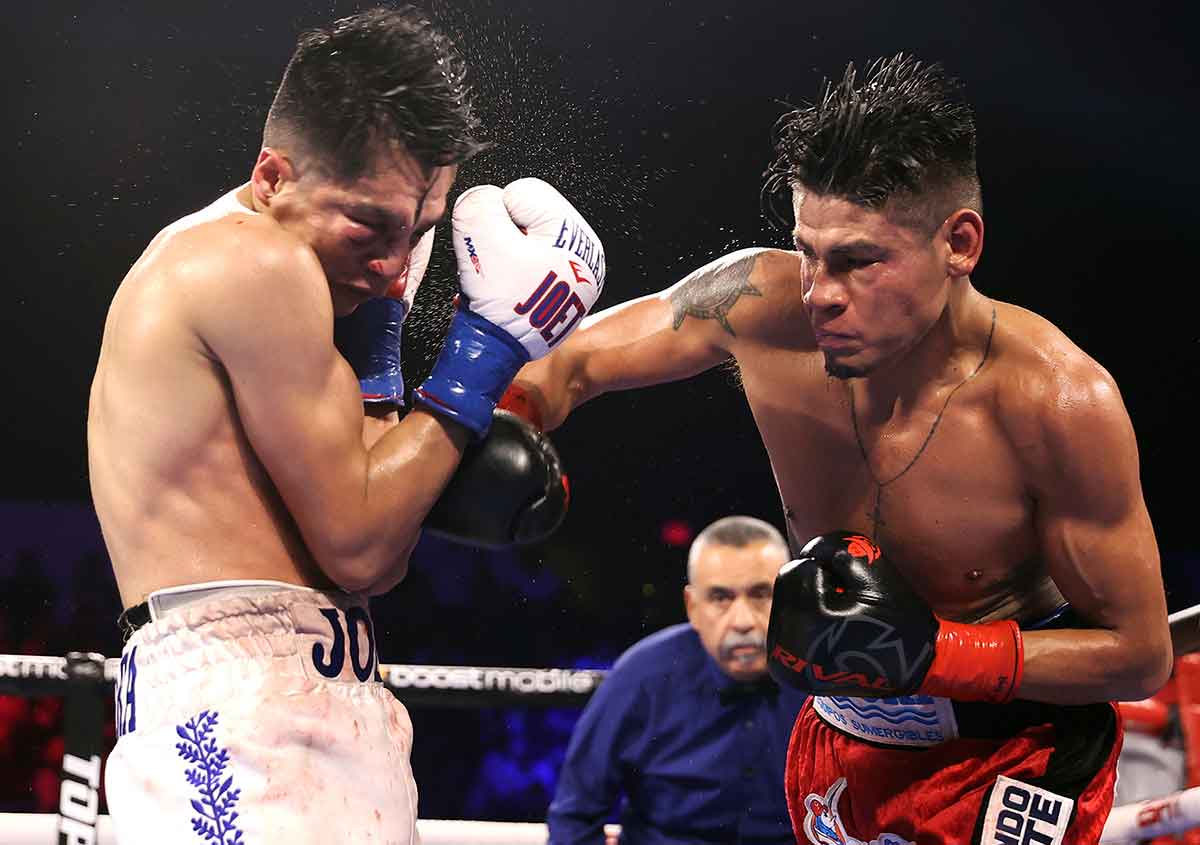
370	210
758	585
859	245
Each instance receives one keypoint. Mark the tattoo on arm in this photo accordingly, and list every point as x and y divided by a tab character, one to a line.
711	292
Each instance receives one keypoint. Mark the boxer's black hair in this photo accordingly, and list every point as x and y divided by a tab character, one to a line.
376	77
902	133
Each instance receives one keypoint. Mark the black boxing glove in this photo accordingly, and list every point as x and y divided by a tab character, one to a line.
845	622
509	490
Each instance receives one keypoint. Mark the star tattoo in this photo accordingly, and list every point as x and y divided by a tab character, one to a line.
711	292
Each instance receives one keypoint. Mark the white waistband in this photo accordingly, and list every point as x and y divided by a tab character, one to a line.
913	721
162	602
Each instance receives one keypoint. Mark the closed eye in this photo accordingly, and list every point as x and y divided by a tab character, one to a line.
365	229
846	263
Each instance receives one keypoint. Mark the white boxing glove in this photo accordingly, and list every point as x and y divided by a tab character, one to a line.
530	268
527	261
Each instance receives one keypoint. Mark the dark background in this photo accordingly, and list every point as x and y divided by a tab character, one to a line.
653	116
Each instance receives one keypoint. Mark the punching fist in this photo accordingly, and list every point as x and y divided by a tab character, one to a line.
845	622
508	491
527	261
530	269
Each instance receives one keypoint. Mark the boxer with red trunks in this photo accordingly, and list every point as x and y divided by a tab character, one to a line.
913	723
991	459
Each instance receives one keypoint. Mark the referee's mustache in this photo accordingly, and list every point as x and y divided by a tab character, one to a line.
735	639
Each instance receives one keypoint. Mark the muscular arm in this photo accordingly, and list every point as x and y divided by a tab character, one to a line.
663	337
1098	542
378	420
268	321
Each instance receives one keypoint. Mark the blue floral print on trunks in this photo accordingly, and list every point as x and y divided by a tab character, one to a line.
217	798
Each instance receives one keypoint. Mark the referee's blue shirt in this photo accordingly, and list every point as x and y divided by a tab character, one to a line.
691	768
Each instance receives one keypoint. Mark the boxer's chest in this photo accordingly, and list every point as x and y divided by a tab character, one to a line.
943	496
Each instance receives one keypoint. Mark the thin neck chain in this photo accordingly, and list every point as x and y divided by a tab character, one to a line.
876	519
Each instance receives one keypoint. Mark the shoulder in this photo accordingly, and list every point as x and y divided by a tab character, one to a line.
662	654
226	253
759	281
244	275
1053	398
750	269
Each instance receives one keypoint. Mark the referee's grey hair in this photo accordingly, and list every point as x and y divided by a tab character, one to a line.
735	531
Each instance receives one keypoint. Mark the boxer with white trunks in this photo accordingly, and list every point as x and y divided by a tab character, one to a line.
250	506
989	457
254	710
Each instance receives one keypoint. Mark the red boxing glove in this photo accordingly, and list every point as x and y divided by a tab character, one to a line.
976	662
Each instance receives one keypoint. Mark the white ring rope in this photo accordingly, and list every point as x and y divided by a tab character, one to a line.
1174	813
445	685
1153	817
42	829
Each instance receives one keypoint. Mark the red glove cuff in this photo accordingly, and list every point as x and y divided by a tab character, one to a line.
976	662
524	403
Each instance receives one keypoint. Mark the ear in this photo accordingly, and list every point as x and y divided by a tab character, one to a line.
690	603
962	232
272	171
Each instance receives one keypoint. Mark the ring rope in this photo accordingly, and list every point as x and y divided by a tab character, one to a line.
414	684
43	828
1174	813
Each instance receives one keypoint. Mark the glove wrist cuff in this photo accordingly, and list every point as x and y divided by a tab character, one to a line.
477	362
527	403
976	662
369	339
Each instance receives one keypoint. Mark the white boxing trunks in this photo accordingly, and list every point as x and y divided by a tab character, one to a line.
252	712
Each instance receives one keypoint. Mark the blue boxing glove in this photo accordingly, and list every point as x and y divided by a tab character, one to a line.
369	340
530	268
369	337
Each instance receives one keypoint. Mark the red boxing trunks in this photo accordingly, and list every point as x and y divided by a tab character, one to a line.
927	771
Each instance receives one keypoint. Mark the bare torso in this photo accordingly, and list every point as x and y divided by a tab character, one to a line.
981	424
180	495
960	520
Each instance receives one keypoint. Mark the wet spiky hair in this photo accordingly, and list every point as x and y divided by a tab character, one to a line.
903	133
379	77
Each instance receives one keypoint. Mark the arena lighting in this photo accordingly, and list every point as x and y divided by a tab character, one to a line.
676	533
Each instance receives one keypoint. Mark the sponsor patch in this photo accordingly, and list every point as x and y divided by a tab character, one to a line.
1020	814
914	721
823	825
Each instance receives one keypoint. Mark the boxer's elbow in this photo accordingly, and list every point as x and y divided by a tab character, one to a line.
364	564
1140	683
390	580
1145	668
396	570
354	574
1159	672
